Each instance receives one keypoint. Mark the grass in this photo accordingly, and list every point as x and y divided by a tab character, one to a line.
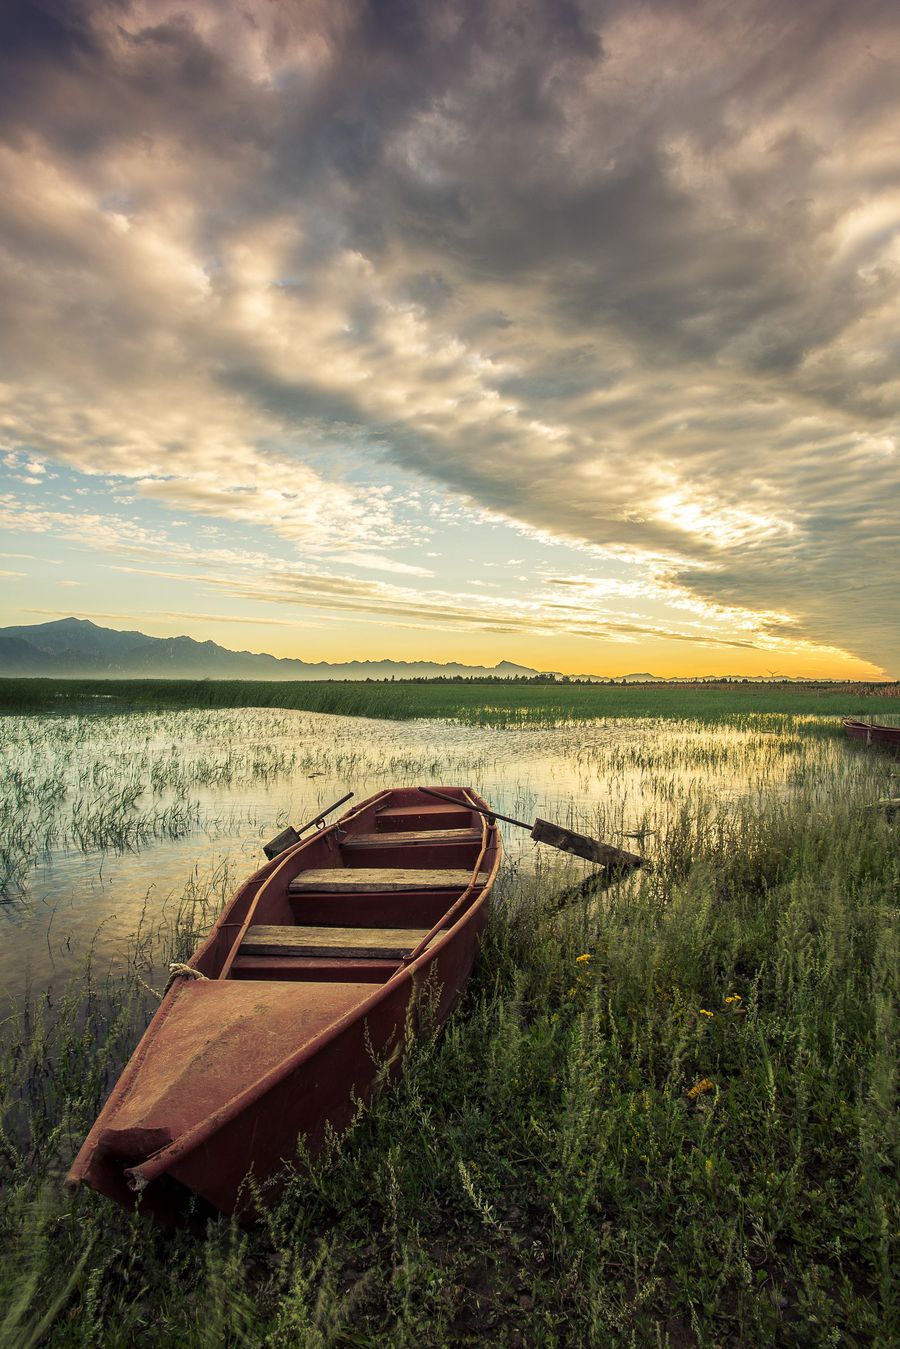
489	703
112	784
120	782
123	781
552	1170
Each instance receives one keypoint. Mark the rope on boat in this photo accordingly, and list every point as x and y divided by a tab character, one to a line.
176	968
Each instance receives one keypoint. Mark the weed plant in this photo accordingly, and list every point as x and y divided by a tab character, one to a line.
665	1118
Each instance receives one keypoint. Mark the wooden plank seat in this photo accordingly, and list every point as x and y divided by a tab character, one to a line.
391	838
337	880
423	817
313	969
353	943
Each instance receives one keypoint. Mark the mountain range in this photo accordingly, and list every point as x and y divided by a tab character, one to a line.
76	648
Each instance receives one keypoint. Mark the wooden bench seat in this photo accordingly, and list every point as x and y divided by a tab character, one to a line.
313	969
353	943
423	817
337	880
391	838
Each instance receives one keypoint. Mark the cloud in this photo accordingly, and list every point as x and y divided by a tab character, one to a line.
613	611
376	601
377	562
151	617
624	275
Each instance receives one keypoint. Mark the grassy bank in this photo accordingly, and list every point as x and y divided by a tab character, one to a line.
486	703
684	1139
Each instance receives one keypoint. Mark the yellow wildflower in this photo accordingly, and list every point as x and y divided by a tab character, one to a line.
704	1012
580	960
734	997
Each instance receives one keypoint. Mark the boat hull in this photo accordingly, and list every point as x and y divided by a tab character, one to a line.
246	1069
885	737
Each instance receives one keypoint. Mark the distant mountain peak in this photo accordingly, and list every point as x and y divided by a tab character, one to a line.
79	648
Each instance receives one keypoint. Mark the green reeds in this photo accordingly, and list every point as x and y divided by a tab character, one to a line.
118	783
491	703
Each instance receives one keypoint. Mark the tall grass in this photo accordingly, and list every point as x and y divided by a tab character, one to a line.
117	783
500	703
664	1119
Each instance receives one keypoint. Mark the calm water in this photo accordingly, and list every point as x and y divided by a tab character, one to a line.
92	803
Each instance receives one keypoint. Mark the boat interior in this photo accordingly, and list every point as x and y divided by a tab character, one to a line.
355	901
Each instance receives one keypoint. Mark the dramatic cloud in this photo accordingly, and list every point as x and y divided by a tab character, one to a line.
622	274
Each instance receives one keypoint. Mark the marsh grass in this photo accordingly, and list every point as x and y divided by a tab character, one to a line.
116	783
685	1139
492	703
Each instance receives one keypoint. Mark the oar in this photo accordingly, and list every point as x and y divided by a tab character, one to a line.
542	831
288	837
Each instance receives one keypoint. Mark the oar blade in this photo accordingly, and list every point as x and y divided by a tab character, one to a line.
286	839
604	854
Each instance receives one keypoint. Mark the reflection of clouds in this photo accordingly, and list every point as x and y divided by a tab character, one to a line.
626	276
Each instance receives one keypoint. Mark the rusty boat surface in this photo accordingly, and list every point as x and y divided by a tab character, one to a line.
886	737
297	1006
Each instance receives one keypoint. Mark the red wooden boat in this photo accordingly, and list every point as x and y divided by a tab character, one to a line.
887	737
298	1005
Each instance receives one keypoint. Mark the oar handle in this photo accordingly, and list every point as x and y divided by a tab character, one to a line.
288	837
488	814
317	819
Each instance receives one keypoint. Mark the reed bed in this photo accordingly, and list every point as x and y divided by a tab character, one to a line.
117	783
489	703
123	781
664	1118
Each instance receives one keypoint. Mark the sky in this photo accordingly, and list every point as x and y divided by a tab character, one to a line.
552	331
